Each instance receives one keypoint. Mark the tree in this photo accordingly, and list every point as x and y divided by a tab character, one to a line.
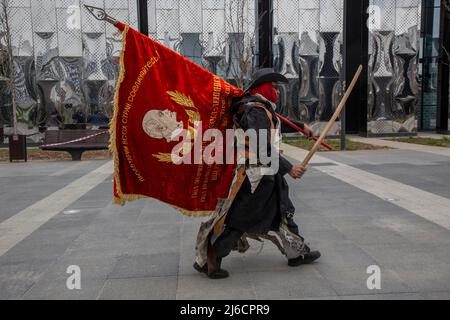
7	69
239	22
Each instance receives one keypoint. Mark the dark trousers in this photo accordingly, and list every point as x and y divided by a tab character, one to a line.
229	238
226	242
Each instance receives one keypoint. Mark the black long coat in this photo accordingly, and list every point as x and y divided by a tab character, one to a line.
260	212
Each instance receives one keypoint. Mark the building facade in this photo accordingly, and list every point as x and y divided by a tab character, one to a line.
67	62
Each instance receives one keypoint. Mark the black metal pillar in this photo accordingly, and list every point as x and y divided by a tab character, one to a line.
265	33
356	35
142	16
443	73
427	59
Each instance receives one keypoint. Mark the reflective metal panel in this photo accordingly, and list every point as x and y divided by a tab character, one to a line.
393	67
307	50
67	62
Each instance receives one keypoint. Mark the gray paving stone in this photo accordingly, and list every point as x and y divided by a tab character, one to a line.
367	235
386	157
426	278
142	266
296	283
353	281
237	287
342	255
444	295
98	239
145	250
91	268
322	237
265	261
152	288
29	183
45	245
142	239
431	178
79	219
56	289
389	296
436	237
93	271
331	298
17	279
390	255
159	216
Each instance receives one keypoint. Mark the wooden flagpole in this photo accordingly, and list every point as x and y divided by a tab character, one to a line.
333	118
295	127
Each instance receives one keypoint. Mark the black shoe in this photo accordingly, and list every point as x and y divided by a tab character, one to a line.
217	274
203	269
308	258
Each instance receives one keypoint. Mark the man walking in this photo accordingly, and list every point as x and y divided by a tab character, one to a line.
262	203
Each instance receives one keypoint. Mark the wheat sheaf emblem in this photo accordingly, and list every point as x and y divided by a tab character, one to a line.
194	116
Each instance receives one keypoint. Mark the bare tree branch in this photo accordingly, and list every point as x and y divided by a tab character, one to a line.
238	20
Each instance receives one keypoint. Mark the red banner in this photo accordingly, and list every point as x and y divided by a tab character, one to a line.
160	92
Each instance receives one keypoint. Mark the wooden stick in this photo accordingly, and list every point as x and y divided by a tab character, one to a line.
333	118
295	127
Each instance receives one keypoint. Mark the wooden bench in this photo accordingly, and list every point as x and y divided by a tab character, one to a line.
60	140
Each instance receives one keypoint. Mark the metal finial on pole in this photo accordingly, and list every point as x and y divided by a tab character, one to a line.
100	14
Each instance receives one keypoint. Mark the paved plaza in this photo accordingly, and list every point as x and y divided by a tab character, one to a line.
385	208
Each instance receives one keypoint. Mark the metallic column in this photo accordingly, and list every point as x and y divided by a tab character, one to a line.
265	33
443	73
143	16
356	36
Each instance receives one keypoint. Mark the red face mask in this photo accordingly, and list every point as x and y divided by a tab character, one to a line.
267	90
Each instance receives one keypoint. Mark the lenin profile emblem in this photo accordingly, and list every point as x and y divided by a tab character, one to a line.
163	124
159	124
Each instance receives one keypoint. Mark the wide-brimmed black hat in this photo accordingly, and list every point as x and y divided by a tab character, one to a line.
265	75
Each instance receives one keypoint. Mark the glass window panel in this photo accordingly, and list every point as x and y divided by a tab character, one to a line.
436	22
191	16
44	15
384	15
214	24
167	4
151	8
69	37
288	18
111	4
19	3
94	55
21	31
132	8
309	4
88	21
309	23
213	4
331	15
406	18
168	26
66	3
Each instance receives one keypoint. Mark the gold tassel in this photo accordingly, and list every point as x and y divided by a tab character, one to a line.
112	126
